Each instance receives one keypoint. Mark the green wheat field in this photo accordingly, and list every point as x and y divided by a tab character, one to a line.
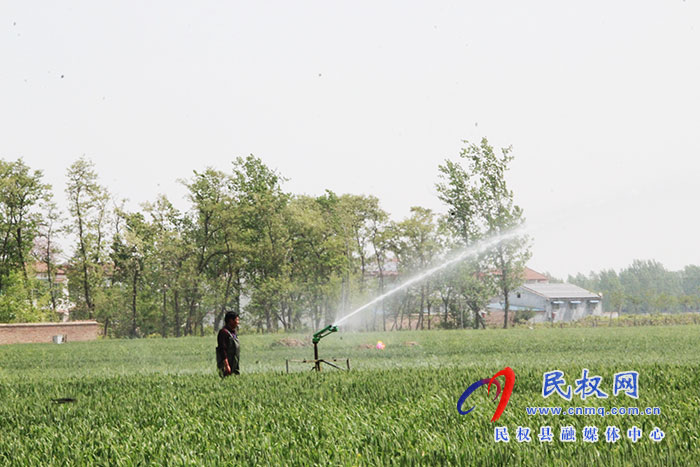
160	401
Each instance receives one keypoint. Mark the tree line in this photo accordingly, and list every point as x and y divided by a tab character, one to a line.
645	286
285	261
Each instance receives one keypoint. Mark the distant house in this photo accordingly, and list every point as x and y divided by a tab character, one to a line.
530	276
389	268
42	273
60	280
533	277
555	302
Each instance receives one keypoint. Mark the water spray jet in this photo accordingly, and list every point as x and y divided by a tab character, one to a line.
479	247
473	250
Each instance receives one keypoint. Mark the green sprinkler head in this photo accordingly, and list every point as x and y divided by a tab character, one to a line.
323	333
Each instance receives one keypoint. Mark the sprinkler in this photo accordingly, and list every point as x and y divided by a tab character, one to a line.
317	361
323	333
317	338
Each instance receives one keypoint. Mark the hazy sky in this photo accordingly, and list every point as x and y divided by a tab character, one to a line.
600	100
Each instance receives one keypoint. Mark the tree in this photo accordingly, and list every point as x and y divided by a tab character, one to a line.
690	280
87	207
465	286
14	306
263	207
416	247
477	287
643	281
169	254
353	212
225	269
131	251
20	191
611	288
46	248
380	231
208	192
481	206
319	256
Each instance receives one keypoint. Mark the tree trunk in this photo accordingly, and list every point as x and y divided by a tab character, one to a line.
317	314
238	291
268	318
84	256
222	309
4	252
446	304
23	264
429	316
176	304
345	296
164	331
134	290
383	319
50	274
506	306
189	322
422	307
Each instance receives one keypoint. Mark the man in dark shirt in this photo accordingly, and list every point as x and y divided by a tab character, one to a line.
228	351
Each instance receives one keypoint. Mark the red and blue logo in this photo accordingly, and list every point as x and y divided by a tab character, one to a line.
508	374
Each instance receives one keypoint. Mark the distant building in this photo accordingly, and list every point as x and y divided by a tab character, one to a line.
530	276
389	268
533	277
42	273
553	302
60	280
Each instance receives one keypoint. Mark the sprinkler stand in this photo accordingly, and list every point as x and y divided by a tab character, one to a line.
317	361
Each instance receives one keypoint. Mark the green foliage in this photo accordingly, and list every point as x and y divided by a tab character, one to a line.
21	191
159	401
523	316
13	300
481	206
88	207
417	245
628	320
47	250
645	287
15	307
287	262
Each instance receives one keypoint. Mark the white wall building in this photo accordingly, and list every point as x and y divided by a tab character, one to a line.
556	302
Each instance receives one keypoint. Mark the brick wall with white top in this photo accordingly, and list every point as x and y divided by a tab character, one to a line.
26	333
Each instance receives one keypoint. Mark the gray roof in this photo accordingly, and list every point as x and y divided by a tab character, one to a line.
559	291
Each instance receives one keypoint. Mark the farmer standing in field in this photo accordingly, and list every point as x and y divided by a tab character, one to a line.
228	351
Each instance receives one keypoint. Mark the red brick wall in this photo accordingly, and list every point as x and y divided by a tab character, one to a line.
496	317
26	333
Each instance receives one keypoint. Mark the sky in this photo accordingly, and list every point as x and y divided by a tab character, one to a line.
600	101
